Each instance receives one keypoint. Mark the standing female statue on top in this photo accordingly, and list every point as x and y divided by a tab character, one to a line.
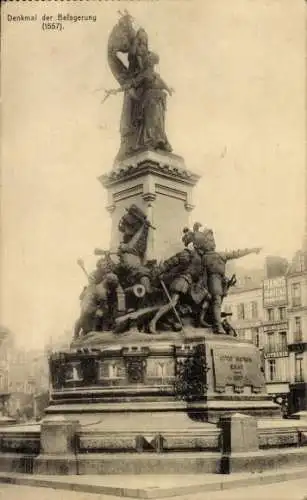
142	124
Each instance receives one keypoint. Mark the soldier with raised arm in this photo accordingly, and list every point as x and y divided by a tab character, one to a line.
215	263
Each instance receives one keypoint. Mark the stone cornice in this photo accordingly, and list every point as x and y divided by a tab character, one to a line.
150	162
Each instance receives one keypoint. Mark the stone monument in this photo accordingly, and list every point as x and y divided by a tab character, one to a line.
145	171
154	358
155	380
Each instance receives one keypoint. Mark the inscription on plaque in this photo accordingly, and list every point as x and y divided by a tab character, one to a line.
237	367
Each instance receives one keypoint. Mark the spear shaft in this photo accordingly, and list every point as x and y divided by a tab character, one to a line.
171	303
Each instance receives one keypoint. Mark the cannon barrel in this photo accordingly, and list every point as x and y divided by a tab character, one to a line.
99	251
138	290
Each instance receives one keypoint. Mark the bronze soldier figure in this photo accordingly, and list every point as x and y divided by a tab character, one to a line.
215	263
185	274
96	298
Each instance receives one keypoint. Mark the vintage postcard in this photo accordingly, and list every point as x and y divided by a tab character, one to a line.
153	289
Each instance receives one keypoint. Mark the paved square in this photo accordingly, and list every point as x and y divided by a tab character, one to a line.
289	490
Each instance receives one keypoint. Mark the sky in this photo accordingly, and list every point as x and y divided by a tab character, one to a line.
237	117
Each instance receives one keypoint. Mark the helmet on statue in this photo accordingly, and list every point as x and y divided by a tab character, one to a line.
210	241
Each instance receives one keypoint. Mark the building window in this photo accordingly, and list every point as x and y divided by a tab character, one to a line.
241	311
296	294
256	338
282	312
270	314
248	337
299	375
241	334
297	329
270	341
254	306
272	369
227	309
282	341
28	388
301	264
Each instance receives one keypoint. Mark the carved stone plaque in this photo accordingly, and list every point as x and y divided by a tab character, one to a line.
135	366
161	368
73	372
236	366
112	369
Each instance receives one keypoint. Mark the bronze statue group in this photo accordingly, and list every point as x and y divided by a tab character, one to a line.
125	291
142	123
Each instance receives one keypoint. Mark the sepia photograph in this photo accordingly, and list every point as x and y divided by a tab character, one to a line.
153	258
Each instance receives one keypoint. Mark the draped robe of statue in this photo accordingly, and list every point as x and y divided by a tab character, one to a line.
142	123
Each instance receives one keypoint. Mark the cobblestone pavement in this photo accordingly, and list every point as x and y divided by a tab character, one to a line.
290	490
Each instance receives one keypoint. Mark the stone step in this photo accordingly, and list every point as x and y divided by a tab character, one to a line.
151	486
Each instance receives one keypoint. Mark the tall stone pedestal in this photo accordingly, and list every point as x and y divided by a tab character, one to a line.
157	392
160	185
163	404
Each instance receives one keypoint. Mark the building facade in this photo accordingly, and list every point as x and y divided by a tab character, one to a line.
23	375
244	303
276	339
6	350
297	317
273	315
